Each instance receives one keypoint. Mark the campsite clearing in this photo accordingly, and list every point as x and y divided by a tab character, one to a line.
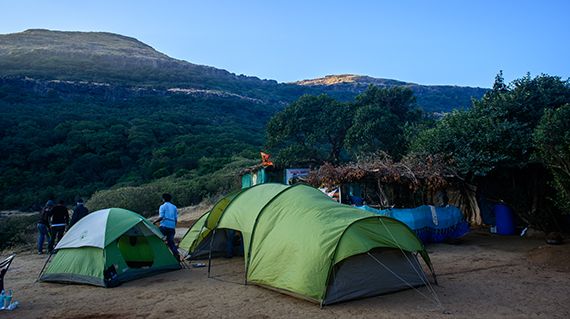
485	276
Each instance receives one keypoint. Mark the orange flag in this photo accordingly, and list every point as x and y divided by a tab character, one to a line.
265	161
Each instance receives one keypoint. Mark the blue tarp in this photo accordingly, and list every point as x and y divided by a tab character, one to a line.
430	223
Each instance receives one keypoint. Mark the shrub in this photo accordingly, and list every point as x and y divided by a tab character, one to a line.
142	199
17	230
187	190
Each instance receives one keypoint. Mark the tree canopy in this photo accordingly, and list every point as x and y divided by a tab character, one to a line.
317	129
66	144
379	121
311	129
552	138
497	131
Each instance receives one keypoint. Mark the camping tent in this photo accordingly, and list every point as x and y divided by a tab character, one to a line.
296	240
108	247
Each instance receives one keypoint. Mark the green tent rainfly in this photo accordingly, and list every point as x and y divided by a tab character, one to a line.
108	247
298	241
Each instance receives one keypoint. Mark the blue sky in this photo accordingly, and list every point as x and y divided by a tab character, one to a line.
427	42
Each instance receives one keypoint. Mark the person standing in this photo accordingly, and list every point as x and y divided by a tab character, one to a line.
43	225
168	217
59	220
79	212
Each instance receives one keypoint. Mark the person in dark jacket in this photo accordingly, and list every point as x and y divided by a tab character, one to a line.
43	225
59	220
79	212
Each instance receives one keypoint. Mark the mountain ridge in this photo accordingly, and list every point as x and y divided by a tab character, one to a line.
334	79
104	57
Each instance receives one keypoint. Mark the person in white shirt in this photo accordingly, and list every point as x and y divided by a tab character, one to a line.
168	216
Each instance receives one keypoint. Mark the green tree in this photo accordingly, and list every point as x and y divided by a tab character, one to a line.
379	120
497	131
311	129
552	138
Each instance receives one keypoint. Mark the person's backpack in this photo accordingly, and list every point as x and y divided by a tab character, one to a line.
45	215
110	276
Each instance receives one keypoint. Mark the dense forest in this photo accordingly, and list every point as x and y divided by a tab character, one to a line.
67	144
106	117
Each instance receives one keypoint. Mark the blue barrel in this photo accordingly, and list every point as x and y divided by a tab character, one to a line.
505	221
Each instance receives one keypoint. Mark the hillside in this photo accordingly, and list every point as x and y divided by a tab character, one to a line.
87	111
114	59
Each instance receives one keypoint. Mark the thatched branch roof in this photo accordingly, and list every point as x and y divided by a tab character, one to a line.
434	172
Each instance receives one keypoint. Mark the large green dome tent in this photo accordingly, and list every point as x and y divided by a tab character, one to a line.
300	242
108	247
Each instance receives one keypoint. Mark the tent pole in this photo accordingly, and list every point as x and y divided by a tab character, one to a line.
433	275
44	267
431	270
210	252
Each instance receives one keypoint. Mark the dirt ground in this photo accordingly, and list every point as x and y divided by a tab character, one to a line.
482	276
